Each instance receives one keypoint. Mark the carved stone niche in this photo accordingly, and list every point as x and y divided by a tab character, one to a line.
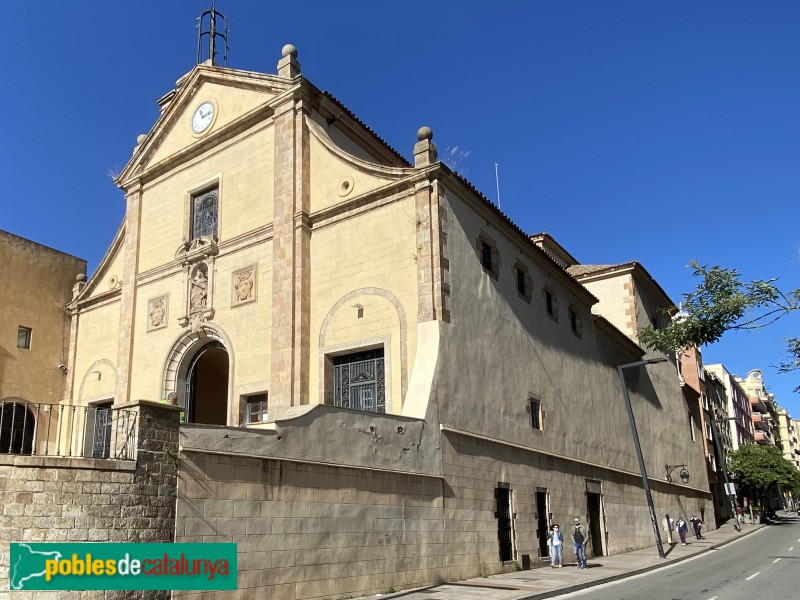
199	294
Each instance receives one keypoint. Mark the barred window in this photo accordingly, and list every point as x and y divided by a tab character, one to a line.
359	381
205	211
257	408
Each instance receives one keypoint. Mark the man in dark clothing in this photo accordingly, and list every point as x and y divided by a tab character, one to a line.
697	525
579	539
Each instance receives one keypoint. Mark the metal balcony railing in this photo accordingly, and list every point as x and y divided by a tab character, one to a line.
66	430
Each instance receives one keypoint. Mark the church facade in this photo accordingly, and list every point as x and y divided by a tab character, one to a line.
386	383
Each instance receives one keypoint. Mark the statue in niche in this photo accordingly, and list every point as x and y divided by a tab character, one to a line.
244	285
198	290
158	311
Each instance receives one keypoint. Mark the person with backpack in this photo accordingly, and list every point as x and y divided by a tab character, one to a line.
579	539
556	542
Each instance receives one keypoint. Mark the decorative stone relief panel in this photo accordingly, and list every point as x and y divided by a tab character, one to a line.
243	286
157	314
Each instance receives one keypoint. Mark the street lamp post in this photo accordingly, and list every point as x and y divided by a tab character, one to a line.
637	445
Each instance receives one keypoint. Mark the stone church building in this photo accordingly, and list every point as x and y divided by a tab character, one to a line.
385	381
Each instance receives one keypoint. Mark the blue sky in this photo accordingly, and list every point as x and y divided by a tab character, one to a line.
638	130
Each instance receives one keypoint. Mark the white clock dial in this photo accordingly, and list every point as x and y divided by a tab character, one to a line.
203	117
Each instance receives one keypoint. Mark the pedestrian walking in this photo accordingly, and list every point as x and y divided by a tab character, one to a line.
556	542
697	525
579	539
683	529
669	526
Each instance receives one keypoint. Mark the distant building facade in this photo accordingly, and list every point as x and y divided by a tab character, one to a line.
37	285
738	407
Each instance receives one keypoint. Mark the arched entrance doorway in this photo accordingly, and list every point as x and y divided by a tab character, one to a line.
206	392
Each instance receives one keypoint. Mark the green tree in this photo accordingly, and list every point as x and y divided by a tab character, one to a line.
723	302
758	468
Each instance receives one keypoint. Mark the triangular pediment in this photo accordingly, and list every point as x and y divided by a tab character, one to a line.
234	97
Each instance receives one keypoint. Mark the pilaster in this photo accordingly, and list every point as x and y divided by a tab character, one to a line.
291	244
127	305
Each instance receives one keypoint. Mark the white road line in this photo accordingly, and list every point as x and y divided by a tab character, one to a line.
792	548
713	598
756	574
776	560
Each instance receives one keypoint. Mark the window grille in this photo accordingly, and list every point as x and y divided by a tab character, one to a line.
204	214
359	381
101	440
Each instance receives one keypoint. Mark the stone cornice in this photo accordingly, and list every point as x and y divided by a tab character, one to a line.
99	272
242	242
387	194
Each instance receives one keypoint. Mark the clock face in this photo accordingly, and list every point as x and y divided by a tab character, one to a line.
203	117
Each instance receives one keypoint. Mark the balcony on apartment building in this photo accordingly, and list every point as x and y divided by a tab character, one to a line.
761	421
757	404
764	437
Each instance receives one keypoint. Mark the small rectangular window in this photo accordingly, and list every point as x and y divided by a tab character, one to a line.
575	322
536	413
257	408
24	337
486	256
549	305
521	288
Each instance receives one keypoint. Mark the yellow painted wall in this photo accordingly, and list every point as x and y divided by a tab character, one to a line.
246	190
376	249
98	335
329	173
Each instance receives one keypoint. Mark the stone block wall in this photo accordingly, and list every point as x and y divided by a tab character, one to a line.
474	467
309	530
55	499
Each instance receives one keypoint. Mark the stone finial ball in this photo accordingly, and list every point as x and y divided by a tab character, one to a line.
289	50
81	277
141	138
424	133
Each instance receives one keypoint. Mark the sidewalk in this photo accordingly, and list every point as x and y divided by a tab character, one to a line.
546	582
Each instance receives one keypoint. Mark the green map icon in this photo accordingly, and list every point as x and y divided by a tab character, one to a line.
28	565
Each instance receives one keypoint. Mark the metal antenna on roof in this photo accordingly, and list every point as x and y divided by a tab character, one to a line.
497	180
208	24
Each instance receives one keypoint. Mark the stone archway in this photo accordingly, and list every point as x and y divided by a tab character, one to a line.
198	354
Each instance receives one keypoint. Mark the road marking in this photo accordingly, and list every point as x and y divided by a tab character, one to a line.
792	548
713	598
776	560
756	574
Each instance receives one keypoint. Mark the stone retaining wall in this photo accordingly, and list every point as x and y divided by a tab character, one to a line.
52	499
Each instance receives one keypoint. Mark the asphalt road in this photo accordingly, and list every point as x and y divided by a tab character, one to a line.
760	566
